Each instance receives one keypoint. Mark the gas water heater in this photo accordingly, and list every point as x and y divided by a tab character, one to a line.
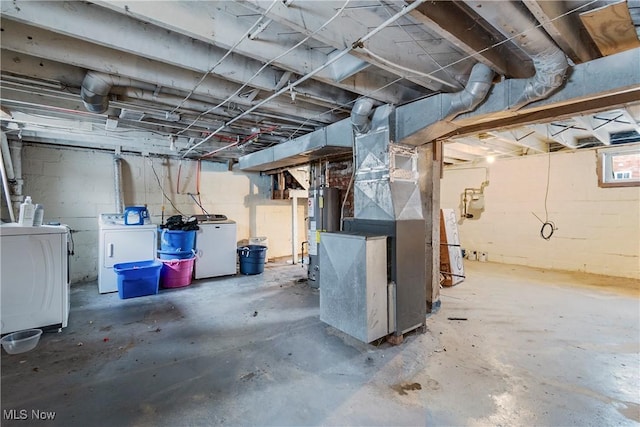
324	215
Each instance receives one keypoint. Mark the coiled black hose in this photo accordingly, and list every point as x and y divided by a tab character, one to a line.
547	230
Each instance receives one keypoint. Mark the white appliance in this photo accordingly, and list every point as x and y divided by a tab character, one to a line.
34	279
122	243
216	246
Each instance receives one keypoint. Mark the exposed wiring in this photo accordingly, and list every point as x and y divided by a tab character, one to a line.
162	189
198	175
199	203
548	227
246	140
404	11
444	67
178	180
261	69
426	52
346	194
407	70
229	52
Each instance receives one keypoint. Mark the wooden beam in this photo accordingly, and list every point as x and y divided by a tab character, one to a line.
611	28
565	30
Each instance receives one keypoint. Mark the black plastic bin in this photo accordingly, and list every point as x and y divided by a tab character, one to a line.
252	259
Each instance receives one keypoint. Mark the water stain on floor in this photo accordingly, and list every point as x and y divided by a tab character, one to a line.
403	388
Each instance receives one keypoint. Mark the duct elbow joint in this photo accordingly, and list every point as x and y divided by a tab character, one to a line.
474	92
95	92
550	73
360	115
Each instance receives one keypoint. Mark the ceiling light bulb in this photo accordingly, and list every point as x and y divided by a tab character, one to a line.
491	159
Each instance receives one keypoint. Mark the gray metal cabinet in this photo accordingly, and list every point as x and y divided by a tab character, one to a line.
353	284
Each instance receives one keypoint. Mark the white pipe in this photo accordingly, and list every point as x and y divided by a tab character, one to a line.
5	181
407	70
6	157
294	229
400	14
117	183
16	160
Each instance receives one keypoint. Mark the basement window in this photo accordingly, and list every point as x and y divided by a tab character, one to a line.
619	167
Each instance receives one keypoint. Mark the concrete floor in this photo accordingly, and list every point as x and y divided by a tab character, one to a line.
536	348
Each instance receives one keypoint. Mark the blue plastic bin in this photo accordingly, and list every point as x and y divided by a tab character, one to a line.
136	279
252	259
177	240
167	255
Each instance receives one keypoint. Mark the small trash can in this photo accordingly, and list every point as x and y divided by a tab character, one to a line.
252	259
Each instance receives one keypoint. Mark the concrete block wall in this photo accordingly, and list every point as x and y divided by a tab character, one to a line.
76	185
598	229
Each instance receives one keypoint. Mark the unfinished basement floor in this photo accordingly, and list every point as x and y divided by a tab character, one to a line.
532	347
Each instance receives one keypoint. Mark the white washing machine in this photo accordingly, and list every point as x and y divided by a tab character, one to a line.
122	243
34	279
216	246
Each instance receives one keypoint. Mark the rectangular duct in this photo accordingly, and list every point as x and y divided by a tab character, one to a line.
332	140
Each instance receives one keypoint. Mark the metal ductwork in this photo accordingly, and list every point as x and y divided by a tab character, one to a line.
388	202
95	90
434	114
332	140
473	93
360	115
549	61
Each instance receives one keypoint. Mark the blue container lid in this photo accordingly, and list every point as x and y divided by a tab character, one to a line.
125	266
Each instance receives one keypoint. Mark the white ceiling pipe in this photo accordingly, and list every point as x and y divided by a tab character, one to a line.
5	180
6	156
524	31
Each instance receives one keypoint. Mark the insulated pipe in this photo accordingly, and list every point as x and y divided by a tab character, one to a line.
360	115
6	158
117	183
522	29
95	90
5	181
473	93
16	161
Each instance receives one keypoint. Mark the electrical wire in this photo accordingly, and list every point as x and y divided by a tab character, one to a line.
548	227
162	189
178	180
407	70
199	203
290	86
198	175
263	67
444	67
544	233
426	52
229	52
